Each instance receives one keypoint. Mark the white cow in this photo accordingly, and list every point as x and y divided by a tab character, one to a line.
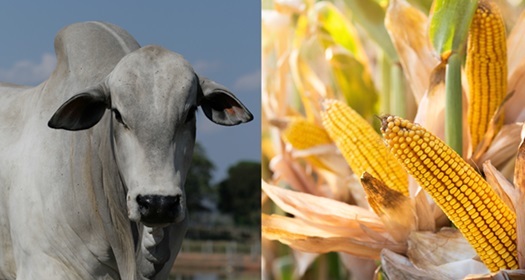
106	198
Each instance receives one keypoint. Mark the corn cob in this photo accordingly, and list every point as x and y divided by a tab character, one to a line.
302	135
486	68
361	145
469	202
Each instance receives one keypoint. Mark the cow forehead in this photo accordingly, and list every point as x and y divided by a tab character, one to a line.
153	66
155	78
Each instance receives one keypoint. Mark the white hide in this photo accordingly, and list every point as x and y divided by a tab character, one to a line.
68	198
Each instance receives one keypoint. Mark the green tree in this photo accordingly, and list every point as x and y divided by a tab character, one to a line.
240	193
198	180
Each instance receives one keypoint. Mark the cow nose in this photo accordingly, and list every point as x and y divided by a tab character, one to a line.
158	209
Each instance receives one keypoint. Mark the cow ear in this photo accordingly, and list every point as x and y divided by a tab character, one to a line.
220	105
81	111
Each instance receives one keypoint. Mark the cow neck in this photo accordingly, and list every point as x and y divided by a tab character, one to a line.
112	197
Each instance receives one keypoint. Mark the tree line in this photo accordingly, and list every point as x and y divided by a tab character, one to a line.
237	195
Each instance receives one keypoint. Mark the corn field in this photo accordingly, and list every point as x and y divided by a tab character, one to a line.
392	139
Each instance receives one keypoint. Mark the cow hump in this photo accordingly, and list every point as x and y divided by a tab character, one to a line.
88	51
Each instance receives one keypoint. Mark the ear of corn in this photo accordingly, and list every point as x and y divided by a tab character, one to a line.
362	146
303	134
486	68
393	208
474	207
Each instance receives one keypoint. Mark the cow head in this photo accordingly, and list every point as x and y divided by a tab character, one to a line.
152	94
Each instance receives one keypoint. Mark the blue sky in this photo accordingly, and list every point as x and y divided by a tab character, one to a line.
221	39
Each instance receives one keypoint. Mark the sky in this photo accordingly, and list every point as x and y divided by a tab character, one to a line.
221	39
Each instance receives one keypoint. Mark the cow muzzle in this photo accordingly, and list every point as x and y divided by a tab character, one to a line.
159	209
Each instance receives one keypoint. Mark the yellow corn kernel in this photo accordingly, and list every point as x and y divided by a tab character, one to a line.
483	234
486	68
303	135
361	145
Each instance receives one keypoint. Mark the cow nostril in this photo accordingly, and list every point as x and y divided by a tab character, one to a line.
159	208
174	200
144	202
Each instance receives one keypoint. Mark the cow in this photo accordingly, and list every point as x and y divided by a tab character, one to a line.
94	159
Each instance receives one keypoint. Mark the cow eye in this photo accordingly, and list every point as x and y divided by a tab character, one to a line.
118	117
191	114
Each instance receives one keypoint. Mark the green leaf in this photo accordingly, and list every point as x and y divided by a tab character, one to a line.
332	22
371	16
398	97
355	83
332	60
423	5
449	24
334	27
